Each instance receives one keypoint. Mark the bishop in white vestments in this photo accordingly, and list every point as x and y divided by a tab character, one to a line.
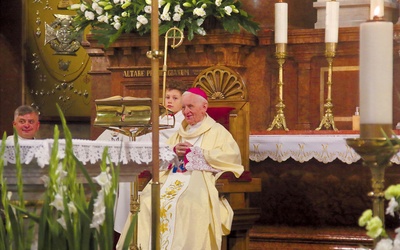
193	216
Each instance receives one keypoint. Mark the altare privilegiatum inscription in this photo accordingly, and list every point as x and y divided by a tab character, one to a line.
137	73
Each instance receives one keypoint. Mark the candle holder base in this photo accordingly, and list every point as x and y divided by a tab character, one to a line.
278	122
376	154
279	119
328	119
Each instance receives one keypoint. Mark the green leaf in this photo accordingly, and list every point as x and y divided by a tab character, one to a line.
250	26
130	232
106	34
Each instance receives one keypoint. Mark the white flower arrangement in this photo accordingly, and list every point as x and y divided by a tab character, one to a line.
111	18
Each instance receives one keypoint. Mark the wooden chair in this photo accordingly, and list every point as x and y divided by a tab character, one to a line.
228	104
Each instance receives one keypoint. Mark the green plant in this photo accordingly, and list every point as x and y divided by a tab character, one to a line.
376	228
111	18
69	217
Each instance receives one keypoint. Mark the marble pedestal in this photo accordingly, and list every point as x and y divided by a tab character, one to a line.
354	12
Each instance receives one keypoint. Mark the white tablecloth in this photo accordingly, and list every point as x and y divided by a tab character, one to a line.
302	148
87	151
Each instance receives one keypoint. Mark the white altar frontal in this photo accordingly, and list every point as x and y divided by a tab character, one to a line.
324	148
132	157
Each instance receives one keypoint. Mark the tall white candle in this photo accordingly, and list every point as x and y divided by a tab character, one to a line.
377	8
332	22
376	72
281	22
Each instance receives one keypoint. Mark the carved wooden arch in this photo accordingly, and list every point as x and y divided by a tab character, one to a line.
222	83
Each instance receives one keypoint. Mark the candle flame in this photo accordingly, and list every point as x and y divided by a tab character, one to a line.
377	11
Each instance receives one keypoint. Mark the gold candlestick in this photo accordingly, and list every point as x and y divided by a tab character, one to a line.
376	154
328	119
279	120
134	208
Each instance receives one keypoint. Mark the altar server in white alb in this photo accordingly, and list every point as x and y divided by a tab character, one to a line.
193	216
173	102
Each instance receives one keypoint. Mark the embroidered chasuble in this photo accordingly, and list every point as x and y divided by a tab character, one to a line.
122	206
192	214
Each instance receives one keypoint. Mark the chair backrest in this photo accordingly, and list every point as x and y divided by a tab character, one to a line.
228	103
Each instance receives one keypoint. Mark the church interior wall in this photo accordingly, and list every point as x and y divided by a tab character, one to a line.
294	194
11	62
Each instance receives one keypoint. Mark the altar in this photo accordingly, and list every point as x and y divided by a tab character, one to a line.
324	148
87	151
312	180
131	157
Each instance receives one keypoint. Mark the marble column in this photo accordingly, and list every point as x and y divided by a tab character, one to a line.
354	12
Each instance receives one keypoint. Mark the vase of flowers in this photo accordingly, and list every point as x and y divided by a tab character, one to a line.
110	18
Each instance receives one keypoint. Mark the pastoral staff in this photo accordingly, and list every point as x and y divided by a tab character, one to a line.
173	102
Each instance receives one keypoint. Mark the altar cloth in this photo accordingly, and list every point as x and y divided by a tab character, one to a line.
132	157
86	151
302	148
